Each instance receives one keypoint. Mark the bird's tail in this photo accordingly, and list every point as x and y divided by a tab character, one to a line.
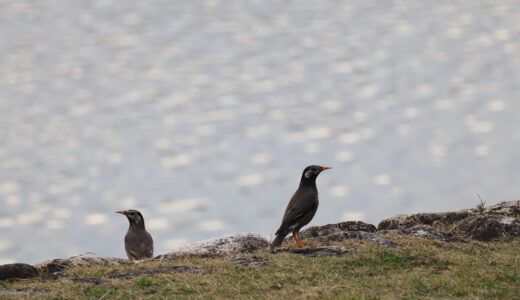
278	240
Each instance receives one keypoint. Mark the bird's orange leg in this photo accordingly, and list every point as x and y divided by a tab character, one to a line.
296	239
299	243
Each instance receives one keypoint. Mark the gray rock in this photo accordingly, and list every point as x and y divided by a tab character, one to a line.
360	235
17	270
155	271
316	251
229	244
316	231
487	227
249	261
509	208
428	232
408	221
62	264
424	231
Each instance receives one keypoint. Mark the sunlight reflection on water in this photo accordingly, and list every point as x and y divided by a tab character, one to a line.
203	116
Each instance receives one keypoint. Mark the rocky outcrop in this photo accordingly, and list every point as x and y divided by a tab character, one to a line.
63	264
424	231
331	233
487	227
507	209
316	251
17	271
316	231
408	221
229	244
499	220
510	209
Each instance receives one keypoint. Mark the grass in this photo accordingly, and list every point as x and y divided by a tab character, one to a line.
421	269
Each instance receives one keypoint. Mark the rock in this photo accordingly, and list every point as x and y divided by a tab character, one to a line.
63	264
155	271
249	261
509	208
316	251
407	221
428	232
229	244
449	218
360	235
424	231
17	270
486	227
316	231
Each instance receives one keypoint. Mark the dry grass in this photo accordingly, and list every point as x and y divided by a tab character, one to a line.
421	269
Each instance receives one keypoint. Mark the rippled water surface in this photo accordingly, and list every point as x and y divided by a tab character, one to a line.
203	114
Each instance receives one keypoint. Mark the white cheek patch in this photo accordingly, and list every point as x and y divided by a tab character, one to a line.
308	174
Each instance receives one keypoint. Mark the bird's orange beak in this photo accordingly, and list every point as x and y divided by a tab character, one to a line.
325	168
121	212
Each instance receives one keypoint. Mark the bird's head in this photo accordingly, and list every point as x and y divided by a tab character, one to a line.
311	172
134	216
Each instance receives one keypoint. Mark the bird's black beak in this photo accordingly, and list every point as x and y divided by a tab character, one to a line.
325	168
123	212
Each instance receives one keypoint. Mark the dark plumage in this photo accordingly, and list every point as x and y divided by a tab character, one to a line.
138	242
301	208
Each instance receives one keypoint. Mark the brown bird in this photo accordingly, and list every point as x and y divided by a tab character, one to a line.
138	242
301	208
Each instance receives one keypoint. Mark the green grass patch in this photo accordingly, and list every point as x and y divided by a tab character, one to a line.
420	269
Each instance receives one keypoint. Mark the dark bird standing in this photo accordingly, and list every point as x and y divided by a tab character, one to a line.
138	242
301	208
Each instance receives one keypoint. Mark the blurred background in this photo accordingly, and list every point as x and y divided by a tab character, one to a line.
203	114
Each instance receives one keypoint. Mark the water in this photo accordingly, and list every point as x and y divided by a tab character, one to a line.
203	114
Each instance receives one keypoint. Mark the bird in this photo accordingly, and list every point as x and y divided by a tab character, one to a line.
138	242
301	208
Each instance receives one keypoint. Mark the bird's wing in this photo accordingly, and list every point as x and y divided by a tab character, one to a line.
132	255
147	245
143	248
302	202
